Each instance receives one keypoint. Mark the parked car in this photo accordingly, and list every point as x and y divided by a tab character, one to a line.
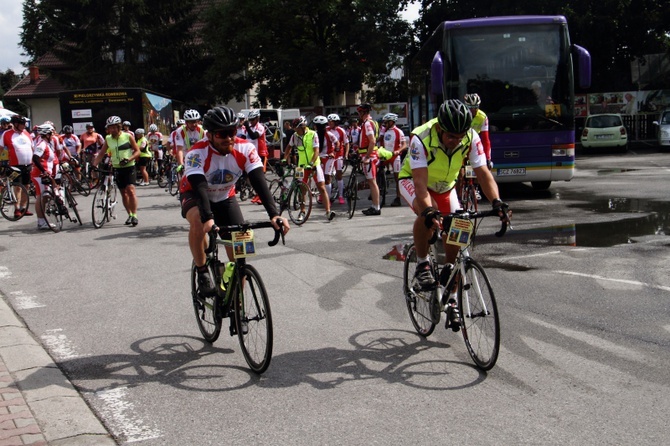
605	130
663	130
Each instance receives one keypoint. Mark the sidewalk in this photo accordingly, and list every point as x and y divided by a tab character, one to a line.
38	404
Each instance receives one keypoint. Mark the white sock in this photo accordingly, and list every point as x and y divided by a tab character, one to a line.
423	259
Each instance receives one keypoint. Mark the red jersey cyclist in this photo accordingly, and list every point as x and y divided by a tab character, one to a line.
212	167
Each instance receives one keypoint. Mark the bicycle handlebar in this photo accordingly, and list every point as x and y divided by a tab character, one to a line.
505	221
245	227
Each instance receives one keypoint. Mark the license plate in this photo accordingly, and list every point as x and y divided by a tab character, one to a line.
512	172
603	136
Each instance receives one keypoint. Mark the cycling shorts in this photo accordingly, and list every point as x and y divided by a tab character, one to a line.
446	203
125	176
226	212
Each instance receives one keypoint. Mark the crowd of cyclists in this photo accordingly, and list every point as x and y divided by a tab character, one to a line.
212	153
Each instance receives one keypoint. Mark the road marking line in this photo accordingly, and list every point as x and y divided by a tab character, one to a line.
121	411
59	344
628	282
4	272
550	253
24	302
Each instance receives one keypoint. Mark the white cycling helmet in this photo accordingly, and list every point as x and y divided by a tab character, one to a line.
297	122
139	132
390	117
113	120
320	120
180	122
153	128
333	117
472	100
191	115
44	129
253	114
127	123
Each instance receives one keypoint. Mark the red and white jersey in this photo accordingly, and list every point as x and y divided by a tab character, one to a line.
155	139
20	146
330	141
221	171
393	139
354	133
172	140
367	134
45	150
342	140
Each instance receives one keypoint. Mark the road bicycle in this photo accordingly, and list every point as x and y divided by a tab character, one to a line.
357	181
83	185
172	177
240	296
479	323
467	188
291	193
56	202
105	199
10	190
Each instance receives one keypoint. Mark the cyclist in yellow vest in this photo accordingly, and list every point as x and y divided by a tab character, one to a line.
187	135
428	176
306	142
123	151
145	156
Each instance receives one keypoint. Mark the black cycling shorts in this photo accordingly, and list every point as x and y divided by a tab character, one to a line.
226	212
125	176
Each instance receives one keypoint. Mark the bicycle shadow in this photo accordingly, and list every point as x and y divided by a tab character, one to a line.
377	355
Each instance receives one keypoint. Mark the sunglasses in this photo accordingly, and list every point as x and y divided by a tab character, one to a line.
222	134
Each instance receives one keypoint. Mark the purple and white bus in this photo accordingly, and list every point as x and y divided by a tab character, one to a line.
522	68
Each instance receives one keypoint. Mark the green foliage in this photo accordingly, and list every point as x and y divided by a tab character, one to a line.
298	50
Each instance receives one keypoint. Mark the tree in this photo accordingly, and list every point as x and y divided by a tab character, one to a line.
7	80
146	43
298	50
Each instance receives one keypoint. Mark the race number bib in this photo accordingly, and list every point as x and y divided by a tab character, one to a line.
243	244
460	232
299	173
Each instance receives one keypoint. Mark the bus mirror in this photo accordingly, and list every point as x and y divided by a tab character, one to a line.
584	65
436	74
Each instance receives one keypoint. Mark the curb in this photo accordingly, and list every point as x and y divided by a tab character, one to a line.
33	386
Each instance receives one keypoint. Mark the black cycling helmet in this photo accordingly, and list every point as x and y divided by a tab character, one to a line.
18	119
68	129
454	116
220	118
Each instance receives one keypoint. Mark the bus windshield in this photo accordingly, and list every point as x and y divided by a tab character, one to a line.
521	72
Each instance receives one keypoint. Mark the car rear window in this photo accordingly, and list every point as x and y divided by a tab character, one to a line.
601	122
666	118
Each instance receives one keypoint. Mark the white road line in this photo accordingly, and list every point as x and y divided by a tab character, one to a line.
550	253
61	347
628	282
121	413
22	301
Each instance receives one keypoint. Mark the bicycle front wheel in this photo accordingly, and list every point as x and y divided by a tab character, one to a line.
83	186
99	207
275	190
351	192
52	212
173	187
299	203
479	313
253	321
207	309
10	207
418	301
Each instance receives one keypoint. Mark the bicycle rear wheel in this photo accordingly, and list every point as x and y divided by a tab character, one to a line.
99	207
207	309
418	301
173	187
82	186
112	201
479	312
381	183
299	202
73	204
275	190
52	212
9	204
253	321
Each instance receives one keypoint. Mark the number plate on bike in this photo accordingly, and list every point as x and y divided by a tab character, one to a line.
299	173
469	172
243	244
460	232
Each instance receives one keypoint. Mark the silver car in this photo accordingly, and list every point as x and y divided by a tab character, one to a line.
606	130
663	130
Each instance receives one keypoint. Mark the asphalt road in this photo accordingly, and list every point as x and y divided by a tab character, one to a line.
582	286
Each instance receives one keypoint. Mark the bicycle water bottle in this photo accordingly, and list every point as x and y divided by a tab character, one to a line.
227	274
